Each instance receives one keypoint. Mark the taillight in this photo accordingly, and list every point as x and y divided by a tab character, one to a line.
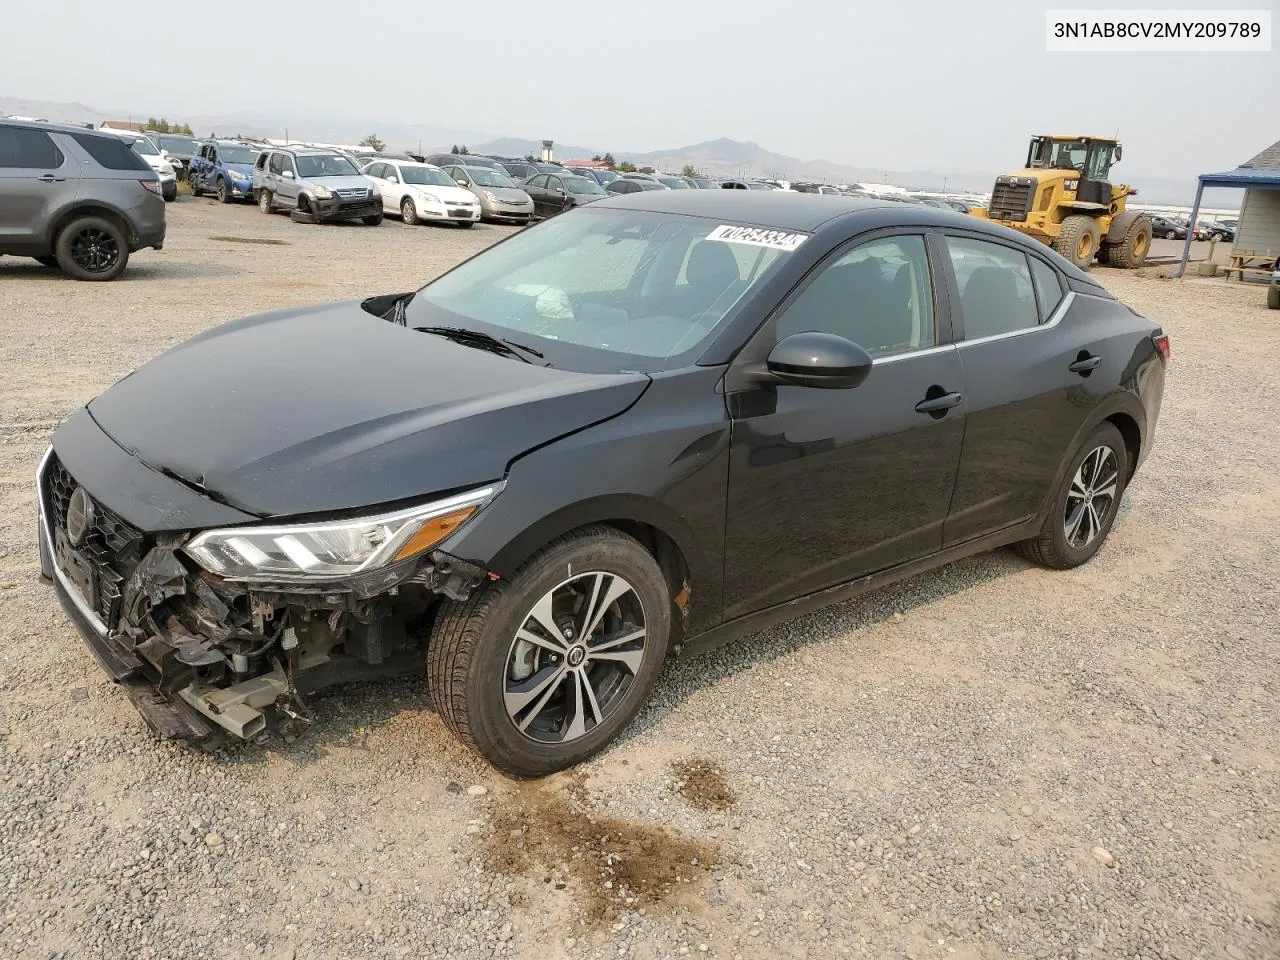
1161	340
151	185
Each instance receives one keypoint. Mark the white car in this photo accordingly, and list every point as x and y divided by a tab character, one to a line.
146	148
420	191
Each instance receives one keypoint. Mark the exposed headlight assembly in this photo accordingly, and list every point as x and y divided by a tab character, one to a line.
322	193
329	551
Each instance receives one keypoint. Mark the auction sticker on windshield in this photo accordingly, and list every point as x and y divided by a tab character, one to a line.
758	237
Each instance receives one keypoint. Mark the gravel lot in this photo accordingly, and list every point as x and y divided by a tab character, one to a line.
923	773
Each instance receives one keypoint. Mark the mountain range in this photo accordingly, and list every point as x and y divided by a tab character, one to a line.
716	158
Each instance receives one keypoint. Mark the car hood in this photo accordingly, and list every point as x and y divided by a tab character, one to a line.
321	409
244	169
445	194
509	194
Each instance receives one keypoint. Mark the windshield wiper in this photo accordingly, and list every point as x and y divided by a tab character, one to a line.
485	341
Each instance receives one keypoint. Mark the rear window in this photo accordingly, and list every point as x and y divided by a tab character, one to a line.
110	152
28	149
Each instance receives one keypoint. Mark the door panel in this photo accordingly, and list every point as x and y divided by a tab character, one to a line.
828	485
35	178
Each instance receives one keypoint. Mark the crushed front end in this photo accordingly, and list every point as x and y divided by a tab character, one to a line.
198	652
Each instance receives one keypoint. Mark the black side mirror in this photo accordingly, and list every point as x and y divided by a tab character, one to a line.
820	360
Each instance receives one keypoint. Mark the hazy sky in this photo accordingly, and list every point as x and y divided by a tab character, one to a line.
907	84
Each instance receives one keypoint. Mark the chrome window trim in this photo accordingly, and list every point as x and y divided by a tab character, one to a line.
47	533
1055	318
908	354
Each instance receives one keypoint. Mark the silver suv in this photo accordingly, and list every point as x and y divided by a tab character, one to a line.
77	199
315	184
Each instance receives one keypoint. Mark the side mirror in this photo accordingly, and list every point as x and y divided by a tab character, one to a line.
820	360
287	174
461	183
393	179
1119	152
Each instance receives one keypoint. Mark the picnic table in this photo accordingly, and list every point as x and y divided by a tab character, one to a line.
1250	261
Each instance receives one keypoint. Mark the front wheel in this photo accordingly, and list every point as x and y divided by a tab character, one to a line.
1170	235
466	224
223	192
1078	241
1216	237
1085	503
194	181
408	212
265	202
372	221
1273	297
540	672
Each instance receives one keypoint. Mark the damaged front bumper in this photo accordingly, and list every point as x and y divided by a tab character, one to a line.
195	653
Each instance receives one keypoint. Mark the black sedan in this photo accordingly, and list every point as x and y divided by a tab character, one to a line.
1168	228
553	193
647	426
628	185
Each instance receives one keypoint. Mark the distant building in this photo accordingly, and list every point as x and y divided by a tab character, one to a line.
547	156
122	125
591	164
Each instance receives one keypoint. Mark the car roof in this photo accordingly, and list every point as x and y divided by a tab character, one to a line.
60	127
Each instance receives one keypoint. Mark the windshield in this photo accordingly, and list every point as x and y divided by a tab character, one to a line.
675	183
234	153
144	146
648	185
426	176
325	165
604	291
178	144
582	185
757	185
485	177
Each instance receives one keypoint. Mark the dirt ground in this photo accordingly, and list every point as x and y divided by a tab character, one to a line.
991	760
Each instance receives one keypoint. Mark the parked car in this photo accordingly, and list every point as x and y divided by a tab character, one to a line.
553	193
598	174
704	183
522	170
420	191
1168	229
146	148
637	175
463	159
628	185
673	182
744	185
1273	288
76	199
642	428
177	149
502	200
1214	230
317	184
364	159
225	169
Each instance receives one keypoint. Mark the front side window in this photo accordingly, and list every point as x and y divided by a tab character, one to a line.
28	149
539	181
879	295
325	165
996	295
602	291
581	185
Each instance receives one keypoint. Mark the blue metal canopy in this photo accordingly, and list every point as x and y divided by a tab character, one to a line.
1257	178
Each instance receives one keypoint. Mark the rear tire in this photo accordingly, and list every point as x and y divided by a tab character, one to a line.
1078	241
1061	546
92	248
484	683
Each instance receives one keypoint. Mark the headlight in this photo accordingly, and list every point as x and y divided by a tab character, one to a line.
492	198
237	175
430	198
322	193
332	551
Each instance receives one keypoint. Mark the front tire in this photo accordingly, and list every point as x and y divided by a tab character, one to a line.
1085	504
372	221
265	202
408	213
466	224
1273	297
194	181
223	191
92	248
540	672
1078	241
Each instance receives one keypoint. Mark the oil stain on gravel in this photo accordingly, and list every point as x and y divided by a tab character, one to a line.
266	240
703	784
549	832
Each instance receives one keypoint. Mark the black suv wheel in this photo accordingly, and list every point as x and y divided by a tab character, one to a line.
91	248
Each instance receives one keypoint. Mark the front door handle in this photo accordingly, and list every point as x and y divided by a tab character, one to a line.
1084	363
939	403
50	178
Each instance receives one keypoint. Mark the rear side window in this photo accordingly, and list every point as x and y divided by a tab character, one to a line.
996	295
28	149
1048	287
879	295
110	152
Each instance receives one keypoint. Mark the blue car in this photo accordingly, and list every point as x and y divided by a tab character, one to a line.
223	168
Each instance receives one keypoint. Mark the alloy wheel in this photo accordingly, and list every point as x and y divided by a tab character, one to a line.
222	190
574	657
94	250
1091	497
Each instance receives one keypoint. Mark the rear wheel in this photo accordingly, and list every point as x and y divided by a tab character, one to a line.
92	248
1078	241
1170	235
408	212
542	671
1085	503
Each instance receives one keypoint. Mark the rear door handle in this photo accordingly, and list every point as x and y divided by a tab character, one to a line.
1085	364
939	403
50	178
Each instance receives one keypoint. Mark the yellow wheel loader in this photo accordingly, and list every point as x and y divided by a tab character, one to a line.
1063	197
